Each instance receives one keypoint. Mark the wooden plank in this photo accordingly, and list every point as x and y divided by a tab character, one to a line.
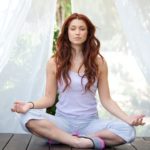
124	147
28	142
120	147
65	147
18	142
38	143
109	148
146	138
81	149
141	144
60	147
4	139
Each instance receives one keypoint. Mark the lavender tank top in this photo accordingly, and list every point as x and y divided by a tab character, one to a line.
74	101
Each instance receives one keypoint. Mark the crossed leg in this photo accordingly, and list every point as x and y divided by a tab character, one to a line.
109	138
112	132
47	129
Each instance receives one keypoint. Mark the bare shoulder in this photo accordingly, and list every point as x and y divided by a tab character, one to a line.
51	66
102	64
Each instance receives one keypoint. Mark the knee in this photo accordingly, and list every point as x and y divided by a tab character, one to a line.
34	124
128	133
125	131
30	124
131	134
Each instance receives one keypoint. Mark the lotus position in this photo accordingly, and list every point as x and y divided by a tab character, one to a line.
76	71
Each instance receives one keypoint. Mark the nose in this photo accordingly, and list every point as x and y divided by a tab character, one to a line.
77	31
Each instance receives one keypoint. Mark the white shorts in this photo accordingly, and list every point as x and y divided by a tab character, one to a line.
81	126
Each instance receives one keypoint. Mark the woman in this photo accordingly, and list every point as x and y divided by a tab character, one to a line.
76	71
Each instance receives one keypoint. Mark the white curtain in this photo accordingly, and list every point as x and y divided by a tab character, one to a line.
26	32
135	17
123	27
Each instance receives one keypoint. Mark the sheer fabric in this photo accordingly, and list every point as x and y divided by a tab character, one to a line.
26	32
123	28
135	17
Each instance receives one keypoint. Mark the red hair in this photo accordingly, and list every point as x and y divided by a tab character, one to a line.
90	52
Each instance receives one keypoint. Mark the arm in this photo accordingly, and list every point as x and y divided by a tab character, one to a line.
106	100
50	93
51	87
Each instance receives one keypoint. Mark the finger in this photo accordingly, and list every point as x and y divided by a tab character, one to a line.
134	123
139	122
17	102
141	116
12	109
17	108
143	123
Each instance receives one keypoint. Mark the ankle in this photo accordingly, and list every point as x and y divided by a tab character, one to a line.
82	143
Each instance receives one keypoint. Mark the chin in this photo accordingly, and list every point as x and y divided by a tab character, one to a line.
77	43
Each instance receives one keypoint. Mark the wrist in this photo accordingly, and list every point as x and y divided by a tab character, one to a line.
31	105
127	119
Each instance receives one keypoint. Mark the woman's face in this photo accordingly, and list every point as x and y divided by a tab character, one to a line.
77	32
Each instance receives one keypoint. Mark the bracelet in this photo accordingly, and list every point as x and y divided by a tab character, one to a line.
32	104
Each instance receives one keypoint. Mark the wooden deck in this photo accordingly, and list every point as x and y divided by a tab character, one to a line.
30	142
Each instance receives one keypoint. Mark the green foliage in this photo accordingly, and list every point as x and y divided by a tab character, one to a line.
52	110
67	6
56	32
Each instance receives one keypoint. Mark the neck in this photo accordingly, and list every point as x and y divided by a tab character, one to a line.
77	51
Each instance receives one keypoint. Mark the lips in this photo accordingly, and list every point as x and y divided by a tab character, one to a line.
77	38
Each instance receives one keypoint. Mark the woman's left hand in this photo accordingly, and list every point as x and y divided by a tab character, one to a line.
136	120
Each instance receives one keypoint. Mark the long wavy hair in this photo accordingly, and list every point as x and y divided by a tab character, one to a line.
90	52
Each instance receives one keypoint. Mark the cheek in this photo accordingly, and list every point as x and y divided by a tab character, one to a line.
70	34
85	35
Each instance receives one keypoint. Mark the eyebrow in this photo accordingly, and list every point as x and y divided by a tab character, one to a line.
76	26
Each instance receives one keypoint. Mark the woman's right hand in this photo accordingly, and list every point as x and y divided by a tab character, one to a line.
21	107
